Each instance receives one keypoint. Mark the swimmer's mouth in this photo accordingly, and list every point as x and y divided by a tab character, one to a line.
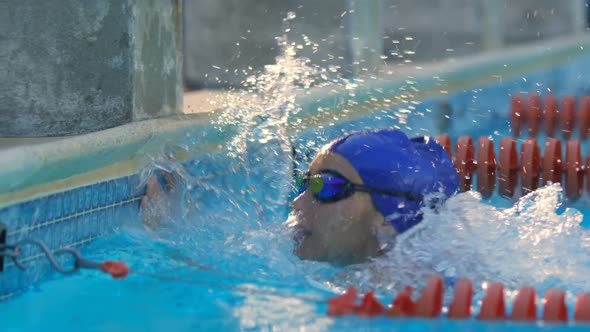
299	234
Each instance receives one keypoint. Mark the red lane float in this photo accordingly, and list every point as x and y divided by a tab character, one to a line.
567	115
582	310
531	169
517	114
550	115
552	163
530	157
584	117
403	305
535	114
370	306
574	175
508	167
493	305
555	309
429	304
524	307
343	304
445	141
460	307
464	162
486	166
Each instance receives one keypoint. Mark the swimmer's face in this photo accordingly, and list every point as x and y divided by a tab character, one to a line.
341	232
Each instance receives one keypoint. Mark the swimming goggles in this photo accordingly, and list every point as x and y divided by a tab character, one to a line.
330	186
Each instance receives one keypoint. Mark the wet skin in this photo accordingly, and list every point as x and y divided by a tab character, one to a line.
342	232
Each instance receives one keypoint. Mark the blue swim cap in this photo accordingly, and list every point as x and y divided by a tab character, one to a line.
387	159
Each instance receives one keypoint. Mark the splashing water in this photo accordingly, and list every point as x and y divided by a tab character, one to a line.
261	110
528	244
230	222
258	154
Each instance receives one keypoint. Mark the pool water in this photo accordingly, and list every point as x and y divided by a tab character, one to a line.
222	259
225	262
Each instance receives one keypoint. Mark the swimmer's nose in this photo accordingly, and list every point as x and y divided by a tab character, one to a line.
299	201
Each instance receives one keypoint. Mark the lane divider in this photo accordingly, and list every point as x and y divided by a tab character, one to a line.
493	306
506	168
534	111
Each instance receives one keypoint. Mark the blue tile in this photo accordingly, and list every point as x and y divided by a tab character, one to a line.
40	211
95	192
50	207
87	198
58	205
25	214
74	229
50	234
81	199
10	216
102	194
79	228
110	215
124	188
93	224
134	186
67	206
102	222
110	192
121	189
73	224
116	190
67	236
86	229
46	235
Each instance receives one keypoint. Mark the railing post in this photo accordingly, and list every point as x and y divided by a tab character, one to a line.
365	35
579	13
493	24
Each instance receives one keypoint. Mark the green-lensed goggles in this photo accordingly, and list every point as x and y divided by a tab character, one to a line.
330	186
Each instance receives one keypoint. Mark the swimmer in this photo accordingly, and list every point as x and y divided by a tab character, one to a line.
360	191
155	204
363	189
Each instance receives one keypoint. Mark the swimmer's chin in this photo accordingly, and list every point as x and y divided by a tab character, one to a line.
305	252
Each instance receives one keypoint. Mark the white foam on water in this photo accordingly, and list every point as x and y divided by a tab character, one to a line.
528	244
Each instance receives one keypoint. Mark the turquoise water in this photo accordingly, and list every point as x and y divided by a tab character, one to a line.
223	259
224	262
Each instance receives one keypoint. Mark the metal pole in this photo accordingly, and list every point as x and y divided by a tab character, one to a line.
493	23
578	11
366	35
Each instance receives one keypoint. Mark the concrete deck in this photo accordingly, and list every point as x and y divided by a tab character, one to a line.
195	102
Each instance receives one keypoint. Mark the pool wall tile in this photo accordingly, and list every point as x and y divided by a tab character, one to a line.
95	194
58	205
64	220
102	194
110	192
